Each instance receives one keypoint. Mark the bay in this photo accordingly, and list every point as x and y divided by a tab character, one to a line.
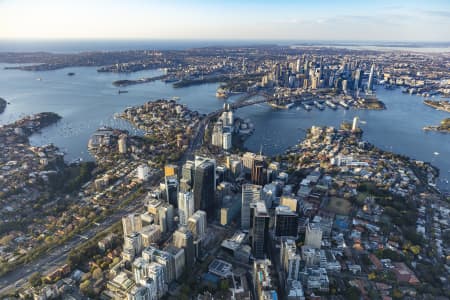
88	100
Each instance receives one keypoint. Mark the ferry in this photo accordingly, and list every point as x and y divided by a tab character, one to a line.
122	92
290	105
331	104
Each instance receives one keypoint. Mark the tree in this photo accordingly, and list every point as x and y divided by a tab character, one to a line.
85	286
353	293
224	285
35	279
97	274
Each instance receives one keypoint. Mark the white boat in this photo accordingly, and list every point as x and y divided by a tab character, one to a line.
436	153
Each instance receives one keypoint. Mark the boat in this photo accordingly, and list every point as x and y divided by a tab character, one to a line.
122	91
331	104
318	105
307	107
70	73
436	153
343	104
176	98
39	79
289	105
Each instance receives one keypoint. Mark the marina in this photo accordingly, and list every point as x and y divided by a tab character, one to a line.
91	101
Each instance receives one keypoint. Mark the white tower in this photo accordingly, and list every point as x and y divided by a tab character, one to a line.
355	124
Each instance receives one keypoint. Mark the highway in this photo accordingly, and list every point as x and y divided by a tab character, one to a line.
58	255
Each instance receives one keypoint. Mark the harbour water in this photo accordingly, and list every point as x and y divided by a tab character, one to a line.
88	100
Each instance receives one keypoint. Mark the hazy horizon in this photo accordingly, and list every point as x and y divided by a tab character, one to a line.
284	20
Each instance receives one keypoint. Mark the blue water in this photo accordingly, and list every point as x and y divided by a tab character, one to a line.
88	100
73	46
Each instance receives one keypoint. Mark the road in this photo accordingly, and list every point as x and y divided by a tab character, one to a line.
58	255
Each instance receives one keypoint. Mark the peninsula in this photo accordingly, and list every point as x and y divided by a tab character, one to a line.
444	127
127	82
439	105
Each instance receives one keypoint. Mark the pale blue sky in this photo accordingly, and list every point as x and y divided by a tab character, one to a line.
405	20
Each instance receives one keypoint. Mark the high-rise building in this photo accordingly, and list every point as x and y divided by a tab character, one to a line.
164	258
122	143
140	269
197	224
286	222
227	143
150	234
185	206
217	135
183	238
179	258
187	172
131	223
170	170
258	172
133	241
205	185
143	290
289	202
371	79
313	235
355	124
166	214
171	184
250	193
260	229
357	79
290	259
156	272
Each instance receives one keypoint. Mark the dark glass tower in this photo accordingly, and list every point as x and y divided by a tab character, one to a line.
204	183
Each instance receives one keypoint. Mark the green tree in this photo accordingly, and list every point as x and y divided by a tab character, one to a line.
35	279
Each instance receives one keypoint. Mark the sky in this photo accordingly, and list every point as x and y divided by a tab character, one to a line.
352	20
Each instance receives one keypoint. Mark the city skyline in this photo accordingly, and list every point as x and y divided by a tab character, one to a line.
230	20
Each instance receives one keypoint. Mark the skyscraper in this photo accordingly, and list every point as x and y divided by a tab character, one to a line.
205	185
355	124
187	171
258	170
183	238
172	190
250	193
370	82
260	229
290	259
122	143
197	224
286	222
131	223
185	206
